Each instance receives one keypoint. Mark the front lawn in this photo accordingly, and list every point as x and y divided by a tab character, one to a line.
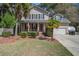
33	47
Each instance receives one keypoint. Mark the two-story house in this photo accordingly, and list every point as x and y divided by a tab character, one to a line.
36	20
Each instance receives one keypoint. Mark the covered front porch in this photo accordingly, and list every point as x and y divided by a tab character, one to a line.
39	27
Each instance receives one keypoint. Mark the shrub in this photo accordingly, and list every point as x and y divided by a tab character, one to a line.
45	34
8	21
6	34
48	32
32	34
23	34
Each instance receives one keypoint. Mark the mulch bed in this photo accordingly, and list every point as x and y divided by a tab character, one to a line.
10	39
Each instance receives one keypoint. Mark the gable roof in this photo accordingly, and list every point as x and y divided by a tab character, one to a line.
40	9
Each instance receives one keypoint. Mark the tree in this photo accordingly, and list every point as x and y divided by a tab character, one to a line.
62	7
48	6
53	24
25	7
20	11
8	21
69	10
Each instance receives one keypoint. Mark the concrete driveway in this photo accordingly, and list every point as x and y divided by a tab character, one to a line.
71	42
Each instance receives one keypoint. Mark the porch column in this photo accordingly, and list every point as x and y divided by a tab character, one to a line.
21	27
44	28
38	27
28	26
16	29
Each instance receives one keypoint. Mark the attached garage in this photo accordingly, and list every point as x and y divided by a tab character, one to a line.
61	30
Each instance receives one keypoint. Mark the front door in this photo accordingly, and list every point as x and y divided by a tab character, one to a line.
41	27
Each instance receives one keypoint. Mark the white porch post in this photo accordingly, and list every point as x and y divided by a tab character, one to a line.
44	28
38	27
16	29
28	26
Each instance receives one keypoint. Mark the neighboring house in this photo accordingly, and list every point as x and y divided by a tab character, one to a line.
63	28
37	19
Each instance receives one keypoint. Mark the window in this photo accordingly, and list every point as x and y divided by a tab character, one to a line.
42	16
39	16
32	16
36	16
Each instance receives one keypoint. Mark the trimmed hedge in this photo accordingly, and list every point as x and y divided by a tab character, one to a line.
32	34
23	34
6	34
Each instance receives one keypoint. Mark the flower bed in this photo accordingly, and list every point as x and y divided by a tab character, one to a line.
10	39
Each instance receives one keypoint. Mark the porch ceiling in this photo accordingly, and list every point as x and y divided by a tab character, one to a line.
34	21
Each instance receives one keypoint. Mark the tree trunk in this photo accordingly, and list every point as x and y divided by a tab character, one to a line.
52	35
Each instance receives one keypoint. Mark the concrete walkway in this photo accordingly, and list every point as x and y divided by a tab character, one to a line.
71	42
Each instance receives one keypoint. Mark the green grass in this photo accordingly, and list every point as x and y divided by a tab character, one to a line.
33	48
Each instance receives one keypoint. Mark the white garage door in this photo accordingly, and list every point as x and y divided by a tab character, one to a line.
60	31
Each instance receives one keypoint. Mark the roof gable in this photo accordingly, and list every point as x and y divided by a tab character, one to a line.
39	9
